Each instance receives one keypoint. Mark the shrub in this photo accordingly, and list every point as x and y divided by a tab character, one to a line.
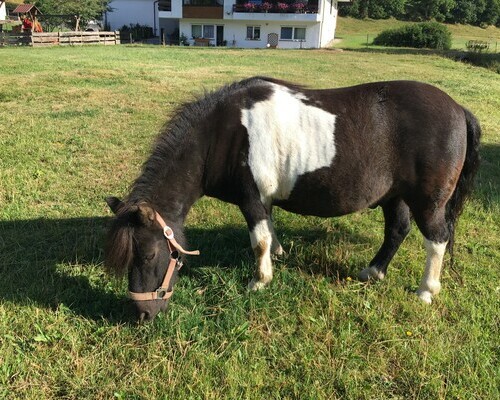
139	32
431	35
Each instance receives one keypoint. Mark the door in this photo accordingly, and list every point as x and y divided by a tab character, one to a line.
219	39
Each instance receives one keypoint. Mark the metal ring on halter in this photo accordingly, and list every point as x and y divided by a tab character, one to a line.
170	235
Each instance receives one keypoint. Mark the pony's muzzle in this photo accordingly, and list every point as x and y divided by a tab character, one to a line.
147	310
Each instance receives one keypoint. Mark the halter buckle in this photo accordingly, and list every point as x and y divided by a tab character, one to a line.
162	293
168	232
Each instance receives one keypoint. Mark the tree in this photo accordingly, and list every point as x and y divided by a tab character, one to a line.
425	10
468	12
374	8
475	12
491	13
387	8
81	10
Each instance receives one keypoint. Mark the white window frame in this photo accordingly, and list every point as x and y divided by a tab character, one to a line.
294	34
253	32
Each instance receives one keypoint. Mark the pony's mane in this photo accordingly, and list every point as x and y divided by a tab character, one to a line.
174	136
119	247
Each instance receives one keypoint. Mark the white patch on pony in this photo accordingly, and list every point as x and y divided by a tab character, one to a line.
261	240
287	138
430	284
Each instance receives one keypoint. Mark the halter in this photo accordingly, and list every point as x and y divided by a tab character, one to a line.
163	293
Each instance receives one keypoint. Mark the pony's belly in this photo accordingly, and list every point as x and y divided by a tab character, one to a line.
319	205
325	194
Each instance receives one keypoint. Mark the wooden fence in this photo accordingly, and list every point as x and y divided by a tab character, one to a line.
59	38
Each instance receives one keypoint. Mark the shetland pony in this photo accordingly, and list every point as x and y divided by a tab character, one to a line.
402	145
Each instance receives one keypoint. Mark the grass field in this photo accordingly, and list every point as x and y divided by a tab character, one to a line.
75	126
355	33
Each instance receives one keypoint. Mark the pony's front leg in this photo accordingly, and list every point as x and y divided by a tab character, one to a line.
261	238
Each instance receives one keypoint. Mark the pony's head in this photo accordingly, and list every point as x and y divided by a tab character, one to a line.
136	245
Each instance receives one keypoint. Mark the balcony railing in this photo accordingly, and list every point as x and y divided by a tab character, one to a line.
275	7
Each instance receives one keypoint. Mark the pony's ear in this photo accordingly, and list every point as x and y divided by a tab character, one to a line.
114	203
146	213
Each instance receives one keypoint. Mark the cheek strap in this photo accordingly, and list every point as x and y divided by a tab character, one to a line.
163	292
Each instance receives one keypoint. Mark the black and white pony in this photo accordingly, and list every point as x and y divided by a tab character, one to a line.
402	145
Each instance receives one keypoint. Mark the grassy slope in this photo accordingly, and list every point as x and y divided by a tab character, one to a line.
353	32
76	123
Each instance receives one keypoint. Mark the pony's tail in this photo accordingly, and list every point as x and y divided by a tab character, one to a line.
465	182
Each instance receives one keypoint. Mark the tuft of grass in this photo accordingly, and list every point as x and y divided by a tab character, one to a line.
76	125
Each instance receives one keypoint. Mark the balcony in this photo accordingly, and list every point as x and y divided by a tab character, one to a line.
207	9
277	10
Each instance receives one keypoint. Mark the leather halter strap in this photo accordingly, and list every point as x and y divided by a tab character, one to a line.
163	292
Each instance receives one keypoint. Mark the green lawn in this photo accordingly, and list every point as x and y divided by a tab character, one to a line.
76	124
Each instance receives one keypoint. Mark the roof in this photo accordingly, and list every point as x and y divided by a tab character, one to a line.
25	8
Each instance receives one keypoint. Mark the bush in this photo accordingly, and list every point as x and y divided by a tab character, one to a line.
139	32
431	35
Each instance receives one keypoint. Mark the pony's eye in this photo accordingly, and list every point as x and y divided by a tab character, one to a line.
149	257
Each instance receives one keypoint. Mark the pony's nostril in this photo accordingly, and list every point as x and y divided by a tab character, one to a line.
144	316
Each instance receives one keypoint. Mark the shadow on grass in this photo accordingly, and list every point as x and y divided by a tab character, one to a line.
488	181
54	263
228	247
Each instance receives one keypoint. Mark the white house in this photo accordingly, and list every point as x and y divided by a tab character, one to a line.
3	12
237	23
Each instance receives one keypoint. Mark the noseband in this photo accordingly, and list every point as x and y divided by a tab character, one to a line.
163	293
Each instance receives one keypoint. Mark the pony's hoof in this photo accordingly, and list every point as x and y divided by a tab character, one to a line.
278	251
370	273
255	285
425	296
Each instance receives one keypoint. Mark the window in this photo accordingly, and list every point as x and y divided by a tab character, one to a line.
292	33
208	31
203	31
253	32
196	31
164	5
286	33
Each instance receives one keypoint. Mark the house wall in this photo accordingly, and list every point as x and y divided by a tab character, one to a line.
126	12
327	31
235	32
3	12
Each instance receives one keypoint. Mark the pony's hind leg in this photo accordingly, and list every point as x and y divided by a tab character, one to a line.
436	233
397	226
430	284
262	239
